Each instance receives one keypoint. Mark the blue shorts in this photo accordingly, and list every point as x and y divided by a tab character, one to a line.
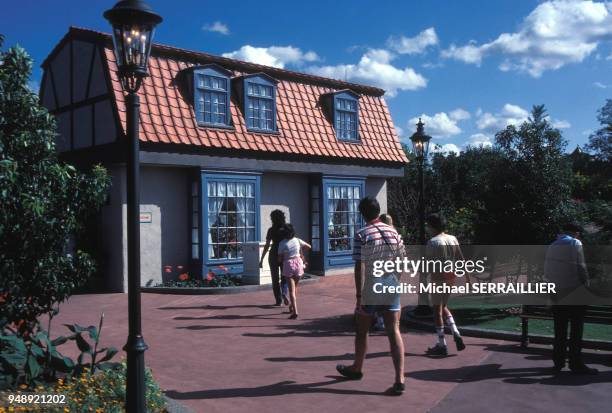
373	309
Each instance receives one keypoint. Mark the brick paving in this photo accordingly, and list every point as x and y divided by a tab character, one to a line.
236	353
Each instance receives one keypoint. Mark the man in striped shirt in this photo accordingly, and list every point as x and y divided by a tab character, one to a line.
375	236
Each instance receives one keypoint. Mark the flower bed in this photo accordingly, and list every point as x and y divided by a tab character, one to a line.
102	392
218	281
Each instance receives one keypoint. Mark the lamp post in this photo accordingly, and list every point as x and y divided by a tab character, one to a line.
420	145
133	24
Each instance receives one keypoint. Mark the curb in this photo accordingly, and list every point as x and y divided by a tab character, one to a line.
502	335
217	290
172	406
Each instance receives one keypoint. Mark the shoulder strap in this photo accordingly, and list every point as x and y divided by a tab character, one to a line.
383	234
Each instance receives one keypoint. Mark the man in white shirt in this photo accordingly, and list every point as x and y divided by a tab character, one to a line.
565	266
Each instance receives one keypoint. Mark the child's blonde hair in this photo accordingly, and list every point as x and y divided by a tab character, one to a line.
386	218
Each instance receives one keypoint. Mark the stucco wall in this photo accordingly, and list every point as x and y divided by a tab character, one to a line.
377	187
164	241
112	233
289	193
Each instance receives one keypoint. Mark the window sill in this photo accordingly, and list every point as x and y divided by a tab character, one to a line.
222	261
353	141
216	126
264	131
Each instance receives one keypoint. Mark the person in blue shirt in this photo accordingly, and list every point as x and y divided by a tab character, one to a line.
565	266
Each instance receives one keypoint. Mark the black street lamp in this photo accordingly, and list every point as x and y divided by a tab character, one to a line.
420	145
133	24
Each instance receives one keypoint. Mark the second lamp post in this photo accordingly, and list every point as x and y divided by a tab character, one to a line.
420	145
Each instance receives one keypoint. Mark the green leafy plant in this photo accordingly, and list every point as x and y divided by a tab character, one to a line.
90	349
43	203
35	359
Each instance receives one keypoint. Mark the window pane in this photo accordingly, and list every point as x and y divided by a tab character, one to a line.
195	220
315	245
195	253
212	189
250	219
232	218
221	189
343	216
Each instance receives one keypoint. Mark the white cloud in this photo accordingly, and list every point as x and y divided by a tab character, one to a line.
469	53
375	68
446	148
494	122
554	34
217	27
559	123
459	114
442	125
413	45
431	65
510	115
399	130
600	85
276	56
479	139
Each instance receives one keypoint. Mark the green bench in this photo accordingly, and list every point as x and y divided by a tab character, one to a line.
598	314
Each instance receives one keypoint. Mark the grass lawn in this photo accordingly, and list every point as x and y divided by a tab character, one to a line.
469	311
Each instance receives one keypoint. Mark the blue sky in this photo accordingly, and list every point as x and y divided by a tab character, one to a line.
469	67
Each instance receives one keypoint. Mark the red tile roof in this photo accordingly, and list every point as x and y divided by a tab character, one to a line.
303	129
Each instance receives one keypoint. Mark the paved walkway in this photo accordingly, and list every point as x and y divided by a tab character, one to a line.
235	353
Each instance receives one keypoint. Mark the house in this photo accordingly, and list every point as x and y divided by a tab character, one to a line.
223	143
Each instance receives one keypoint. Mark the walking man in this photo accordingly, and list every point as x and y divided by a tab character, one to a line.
375	234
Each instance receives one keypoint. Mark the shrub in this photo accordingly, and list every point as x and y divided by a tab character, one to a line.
43	203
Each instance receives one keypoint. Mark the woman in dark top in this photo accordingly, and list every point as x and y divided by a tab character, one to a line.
273	238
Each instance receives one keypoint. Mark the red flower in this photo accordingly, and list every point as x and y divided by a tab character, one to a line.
168	268
183	277
210	276
222	268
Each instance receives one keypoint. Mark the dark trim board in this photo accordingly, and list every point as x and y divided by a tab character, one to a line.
267	165
80	104
115	153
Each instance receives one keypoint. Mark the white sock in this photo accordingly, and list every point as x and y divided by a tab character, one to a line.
441	339
450	321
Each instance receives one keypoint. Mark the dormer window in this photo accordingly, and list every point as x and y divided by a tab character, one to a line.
346	116
212	95
260	103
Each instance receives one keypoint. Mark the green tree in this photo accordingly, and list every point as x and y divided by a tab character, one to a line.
532	194
43	202
600	143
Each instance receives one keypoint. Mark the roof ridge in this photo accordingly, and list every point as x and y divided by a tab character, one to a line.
239	64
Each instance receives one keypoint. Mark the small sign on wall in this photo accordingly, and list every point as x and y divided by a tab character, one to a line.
146	217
